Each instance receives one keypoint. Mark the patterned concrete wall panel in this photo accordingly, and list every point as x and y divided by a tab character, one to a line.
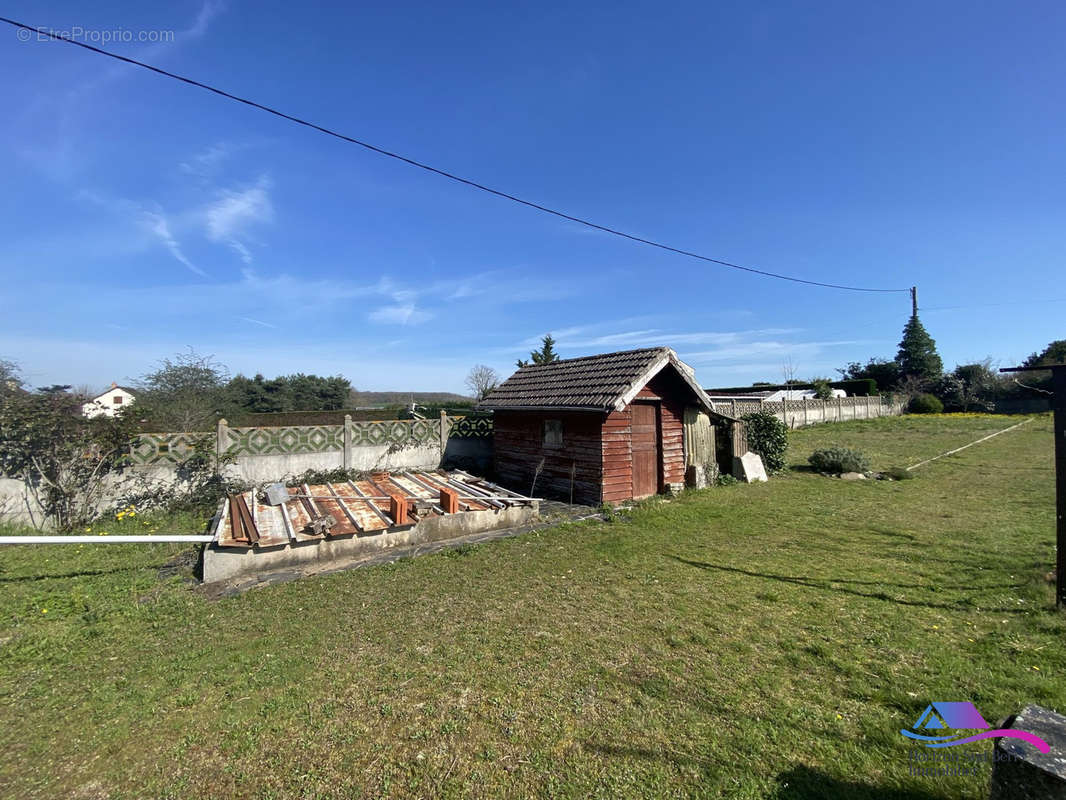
407	432
165	448
470	428
284	441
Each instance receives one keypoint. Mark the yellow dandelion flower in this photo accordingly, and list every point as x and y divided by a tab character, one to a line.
44	610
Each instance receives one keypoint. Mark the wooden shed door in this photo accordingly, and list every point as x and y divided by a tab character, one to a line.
646	451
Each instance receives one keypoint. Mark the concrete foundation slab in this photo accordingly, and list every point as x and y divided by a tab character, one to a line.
234	563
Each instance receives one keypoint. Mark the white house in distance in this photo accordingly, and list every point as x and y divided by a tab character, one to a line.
110	402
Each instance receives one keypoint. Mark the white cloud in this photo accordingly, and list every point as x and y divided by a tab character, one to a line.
401	314
255	321
158	225
229	218
205	163
53	123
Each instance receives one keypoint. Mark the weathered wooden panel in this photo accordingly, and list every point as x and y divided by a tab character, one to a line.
519	451
646	449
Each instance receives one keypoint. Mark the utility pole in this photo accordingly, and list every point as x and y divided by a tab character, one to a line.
1058	384
914	301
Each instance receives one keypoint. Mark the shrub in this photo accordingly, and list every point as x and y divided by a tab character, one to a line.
725	479
767	436
838	460
925	404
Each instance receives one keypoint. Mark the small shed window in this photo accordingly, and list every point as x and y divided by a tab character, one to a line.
117	399
553	433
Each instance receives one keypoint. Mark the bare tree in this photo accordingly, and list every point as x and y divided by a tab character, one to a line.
482	380
788	369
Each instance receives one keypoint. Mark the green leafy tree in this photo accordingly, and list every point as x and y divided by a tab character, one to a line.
917	354
546	354
1054	353
63	458
186	393
883	372
297	392
10	376
981	385
822	389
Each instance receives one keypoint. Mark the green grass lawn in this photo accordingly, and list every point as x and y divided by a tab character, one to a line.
744	641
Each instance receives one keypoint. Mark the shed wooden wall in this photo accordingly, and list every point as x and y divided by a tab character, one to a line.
671	392
617	454
519	446
673	395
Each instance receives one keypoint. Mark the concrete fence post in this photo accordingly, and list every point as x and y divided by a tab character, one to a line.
840	409
806	418
221	442
347	441
444	428
732	409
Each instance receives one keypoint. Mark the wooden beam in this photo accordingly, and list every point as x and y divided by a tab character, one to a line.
1058	384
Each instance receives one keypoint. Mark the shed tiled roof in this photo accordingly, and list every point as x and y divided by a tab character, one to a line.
596	383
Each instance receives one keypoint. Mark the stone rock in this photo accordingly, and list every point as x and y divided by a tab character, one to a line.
1020	769
749	468
696	477
852	476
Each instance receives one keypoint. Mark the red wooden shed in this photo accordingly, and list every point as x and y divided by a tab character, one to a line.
606	428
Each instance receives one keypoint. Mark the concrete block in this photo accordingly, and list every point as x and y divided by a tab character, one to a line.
1020	770
696	476
749	468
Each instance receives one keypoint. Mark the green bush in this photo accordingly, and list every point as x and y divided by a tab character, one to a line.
837	460
725	479
767	436
925	404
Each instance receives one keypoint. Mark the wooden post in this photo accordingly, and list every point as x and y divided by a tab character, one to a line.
1058	385
347	441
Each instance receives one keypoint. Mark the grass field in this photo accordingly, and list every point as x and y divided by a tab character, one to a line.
744	641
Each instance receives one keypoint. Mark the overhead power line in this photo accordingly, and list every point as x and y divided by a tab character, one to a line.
59	37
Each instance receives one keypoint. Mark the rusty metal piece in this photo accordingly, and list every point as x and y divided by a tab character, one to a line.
342	509
323	524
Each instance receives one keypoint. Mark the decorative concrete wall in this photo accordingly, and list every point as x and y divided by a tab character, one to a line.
258	454
800	413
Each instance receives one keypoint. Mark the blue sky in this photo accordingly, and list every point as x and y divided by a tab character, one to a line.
878	145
